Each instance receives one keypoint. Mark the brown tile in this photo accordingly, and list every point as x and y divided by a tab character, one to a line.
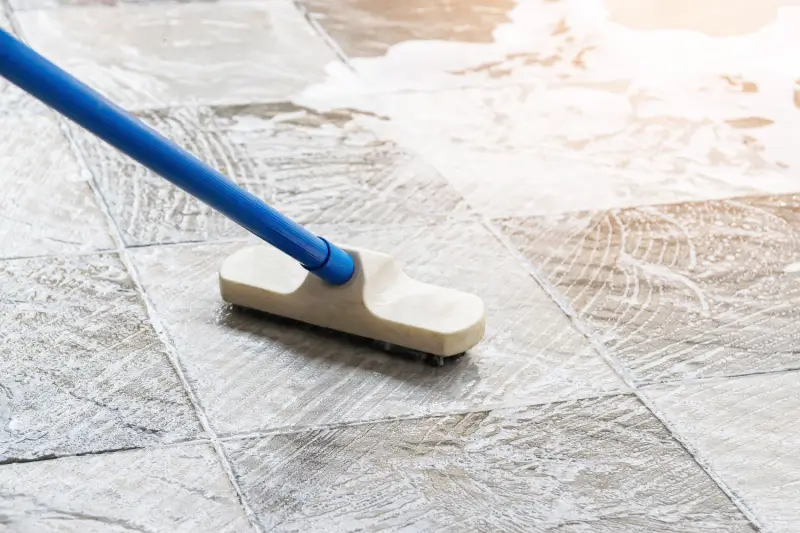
682	290
47	205
176	489
602	465
313	167
252	373
366	28
82	368
159	54
746	430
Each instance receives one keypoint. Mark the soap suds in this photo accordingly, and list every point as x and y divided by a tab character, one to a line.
600	115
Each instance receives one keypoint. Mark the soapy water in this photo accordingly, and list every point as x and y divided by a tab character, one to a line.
595	104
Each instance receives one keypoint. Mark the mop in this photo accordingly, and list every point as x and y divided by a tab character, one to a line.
301	276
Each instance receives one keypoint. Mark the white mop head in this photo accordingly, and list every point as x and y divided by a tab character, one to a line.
380	302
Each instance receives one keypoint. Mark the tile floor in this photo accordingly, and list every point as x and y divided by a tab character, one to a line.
630	220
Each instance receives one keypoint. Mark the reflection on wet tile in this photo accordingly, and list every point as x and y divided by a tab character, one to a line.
679	290
82	369
365	28
47	205
177	489
746	430
252	373
528	151
602	465
321	168
156	54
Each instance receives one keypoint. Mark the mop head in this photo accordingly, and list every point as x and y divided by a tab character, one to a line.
380	302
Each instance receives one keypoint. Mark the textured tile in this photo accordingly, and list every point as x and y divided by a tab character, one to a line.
681	290
153	55
82	369
313	167
365	28
746	430
47	205
600	465
252	373
164	490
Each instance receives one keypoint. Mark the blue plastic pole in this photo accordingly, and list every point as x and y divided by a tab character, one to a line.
59	90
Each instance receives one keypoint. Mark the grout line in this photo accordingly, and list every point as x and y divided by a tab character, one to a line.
627	377
289	430
55	457
157	325
724	377
292	430
320	31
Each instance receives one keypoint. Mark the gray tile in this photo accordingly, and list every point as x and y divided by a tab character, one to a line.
746	430
682	290
162	490
47	205
366	28
82	369
313	167
252	373
601	465
152	55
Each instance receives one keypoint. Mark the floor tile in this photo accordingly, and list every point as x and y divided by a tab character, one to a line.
163	490
313	167
746	430
569	110
366	28
47	204
152	55
252	373
536	150
684	290
82	368
600	465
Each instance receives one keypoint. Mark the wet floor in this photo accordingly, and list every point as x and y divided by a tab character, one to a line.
618	180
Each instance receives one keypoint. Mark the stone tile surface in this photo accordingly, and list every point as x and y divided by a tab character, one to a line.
313	167
600	465
683	290
746	430
82	368
155	54
252	373
47	204
365	28
178	489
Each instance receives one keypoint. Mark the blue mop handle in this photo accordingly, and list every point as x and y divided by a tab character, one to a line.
45	81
